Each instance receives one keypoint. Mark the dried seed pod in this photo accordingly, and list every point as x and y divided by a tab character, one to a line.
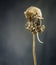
34	20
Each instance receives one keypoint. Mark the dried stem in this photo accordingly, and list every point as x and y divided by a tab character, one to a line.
33	49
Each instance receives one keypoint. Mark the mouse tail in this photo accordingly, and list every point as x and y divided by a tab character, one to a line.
38	38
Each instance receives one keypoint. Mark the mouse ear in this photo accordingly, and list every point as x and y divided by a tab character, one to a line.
38	38
24	12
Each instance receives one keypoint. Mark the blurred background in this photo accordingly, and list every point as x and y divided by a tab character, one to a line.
16	41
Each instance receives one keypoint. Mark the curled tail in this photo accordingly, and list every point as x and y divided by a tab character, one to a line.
38	38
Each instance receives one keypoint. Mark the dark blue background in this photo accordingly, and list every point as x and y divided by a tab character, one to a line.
16	41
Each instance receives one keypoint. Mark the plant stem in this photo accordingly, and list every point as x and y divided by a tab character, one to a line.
33	49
